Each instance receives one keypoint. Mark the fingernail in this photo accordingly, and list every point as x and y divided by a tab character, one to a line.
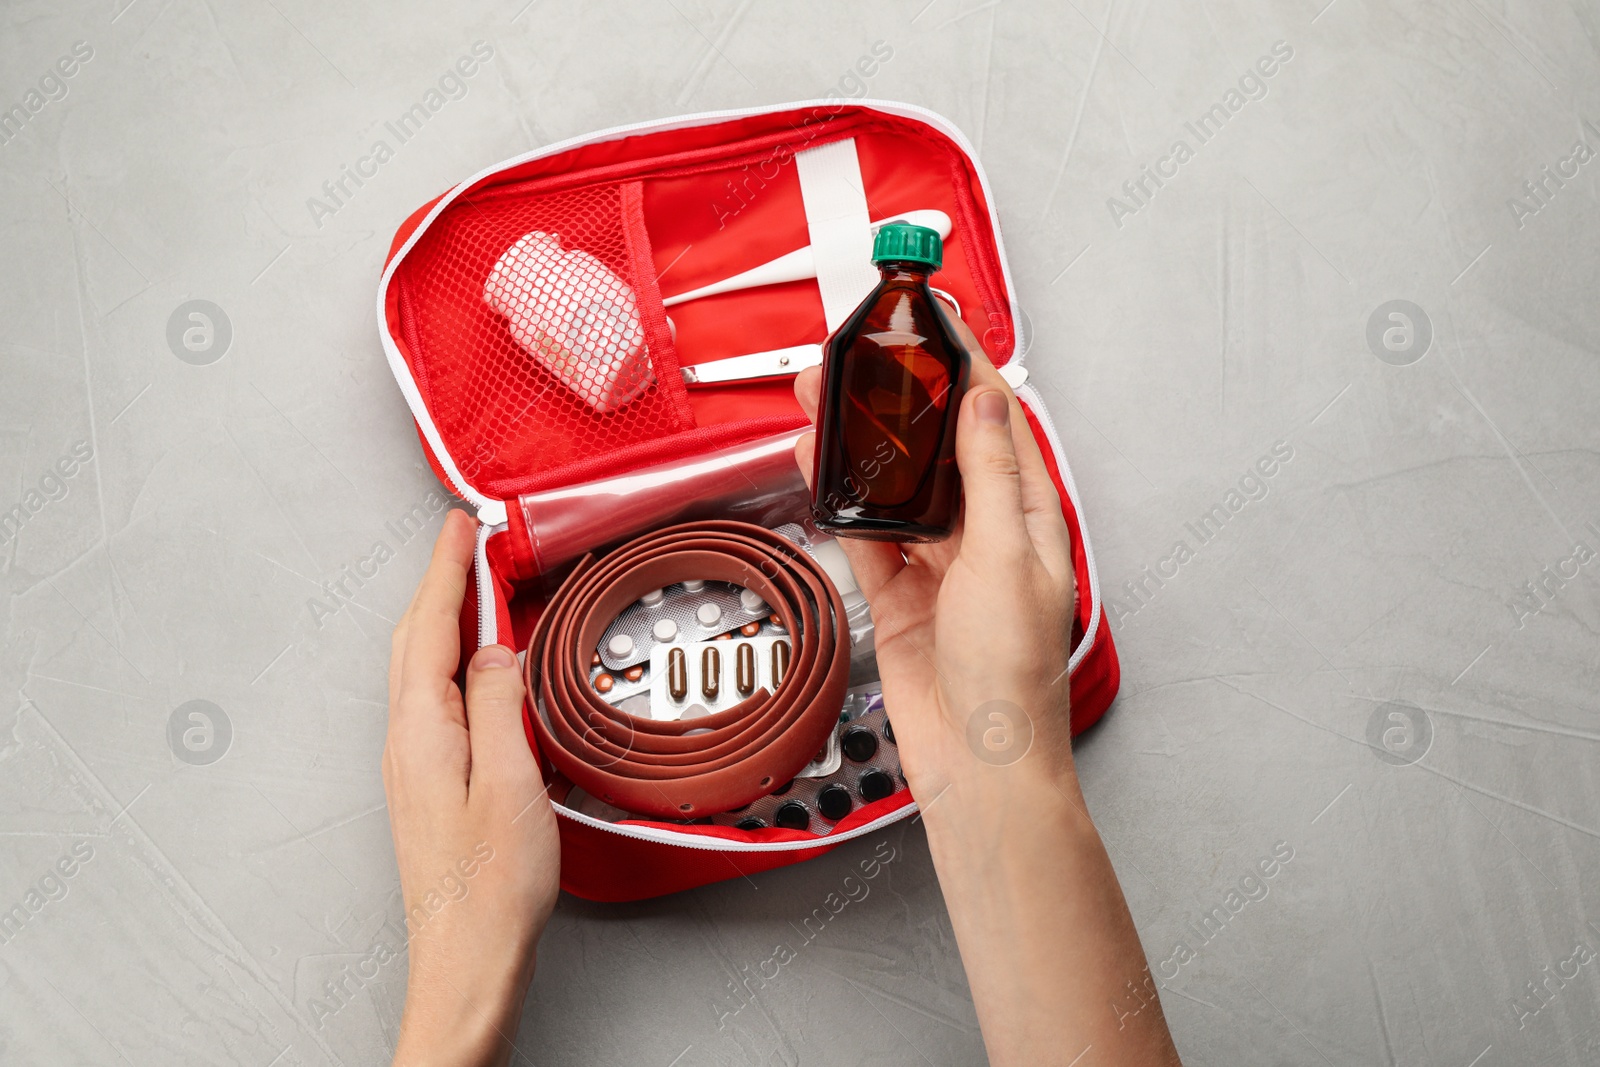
992	407
493	656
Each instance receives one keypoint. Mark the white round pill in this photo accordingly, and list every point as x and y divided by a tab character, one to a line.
708	614
620	645
750	600
694	585
664	630
653	597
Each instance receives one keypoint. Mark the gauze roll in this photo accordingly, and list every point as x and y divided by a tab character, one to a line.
573	315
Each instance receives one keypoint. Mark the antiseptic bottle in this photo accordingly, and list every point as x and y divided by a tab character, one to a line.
893	376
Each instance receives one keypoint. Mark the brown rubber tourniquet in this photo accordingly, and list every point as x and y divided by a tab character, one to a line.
713	763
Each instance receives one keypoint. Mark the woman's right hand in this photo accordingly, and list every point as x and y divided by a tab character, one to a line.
973	633
973	639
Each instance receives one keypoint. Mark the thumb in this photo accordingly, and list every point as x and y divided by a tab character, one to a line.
501	758
990	477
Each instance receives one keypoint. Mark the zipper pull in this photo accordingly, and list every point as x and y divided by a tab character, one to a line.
492	513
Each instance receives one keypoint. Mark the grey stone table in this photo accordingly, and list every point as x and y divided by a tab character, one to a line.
1327	373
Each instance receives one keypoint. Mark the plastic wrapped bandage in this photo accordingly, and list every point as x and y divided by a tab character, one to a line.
573	315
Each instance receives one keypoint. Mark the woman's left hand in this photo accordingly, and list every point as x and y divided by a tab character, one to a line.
474	835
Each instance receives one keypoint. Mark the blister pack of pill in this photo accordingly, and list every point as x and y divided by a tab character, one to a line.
698	647
695	648
688	681
869	770
686	611
682	616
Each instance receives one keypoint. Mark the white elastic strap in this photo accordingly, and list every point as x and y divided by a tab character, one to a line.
841	232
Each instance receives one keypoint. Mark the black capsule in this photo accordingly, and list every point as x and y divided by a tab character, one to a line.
859	743
782	789
750	823
834	802
888	730
875	785
792	815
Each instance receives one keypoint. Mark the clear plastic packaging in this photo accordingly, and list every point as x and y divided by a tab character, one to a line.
756	482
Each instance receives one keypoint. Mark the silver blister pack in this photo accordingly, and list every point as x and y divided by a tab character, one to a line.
680	613
711	674
648	695
854	782
629	673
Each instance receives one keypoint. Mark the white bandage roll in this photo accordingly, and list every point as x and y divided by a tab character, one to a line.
575	316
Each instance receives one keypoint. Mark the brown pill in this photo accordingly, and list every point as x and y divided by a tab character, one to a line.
774	620
723	637
780	662
604	682
744	669
595	662
711	673
633	674
750	629
677	674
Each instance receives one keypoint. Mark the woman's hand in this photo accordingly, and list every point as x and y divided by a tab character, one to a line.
474	835
973	639
973	633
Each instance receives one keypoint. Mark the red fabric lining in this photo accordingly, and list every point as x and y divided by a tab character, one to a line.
502	411
663	351
894	155
599	865
686	216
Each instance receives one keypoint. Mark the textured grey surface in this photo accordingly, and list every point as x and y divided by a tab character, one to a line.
1179	340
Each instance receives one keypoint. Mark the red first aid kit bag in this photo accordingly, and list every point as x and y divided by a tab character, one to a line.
497	295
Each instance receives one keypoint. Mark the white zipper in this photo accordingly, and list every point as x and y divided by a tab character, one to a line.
488	627
719	844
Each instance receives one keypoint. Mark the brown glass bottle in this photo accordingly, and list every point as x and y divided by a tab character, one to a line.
893	376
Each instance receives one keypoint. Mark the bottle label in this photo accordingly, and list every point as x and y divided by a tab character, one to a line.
895	393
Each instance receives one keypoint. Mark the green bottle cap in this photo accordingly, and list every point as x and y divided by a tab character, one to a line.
901	242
